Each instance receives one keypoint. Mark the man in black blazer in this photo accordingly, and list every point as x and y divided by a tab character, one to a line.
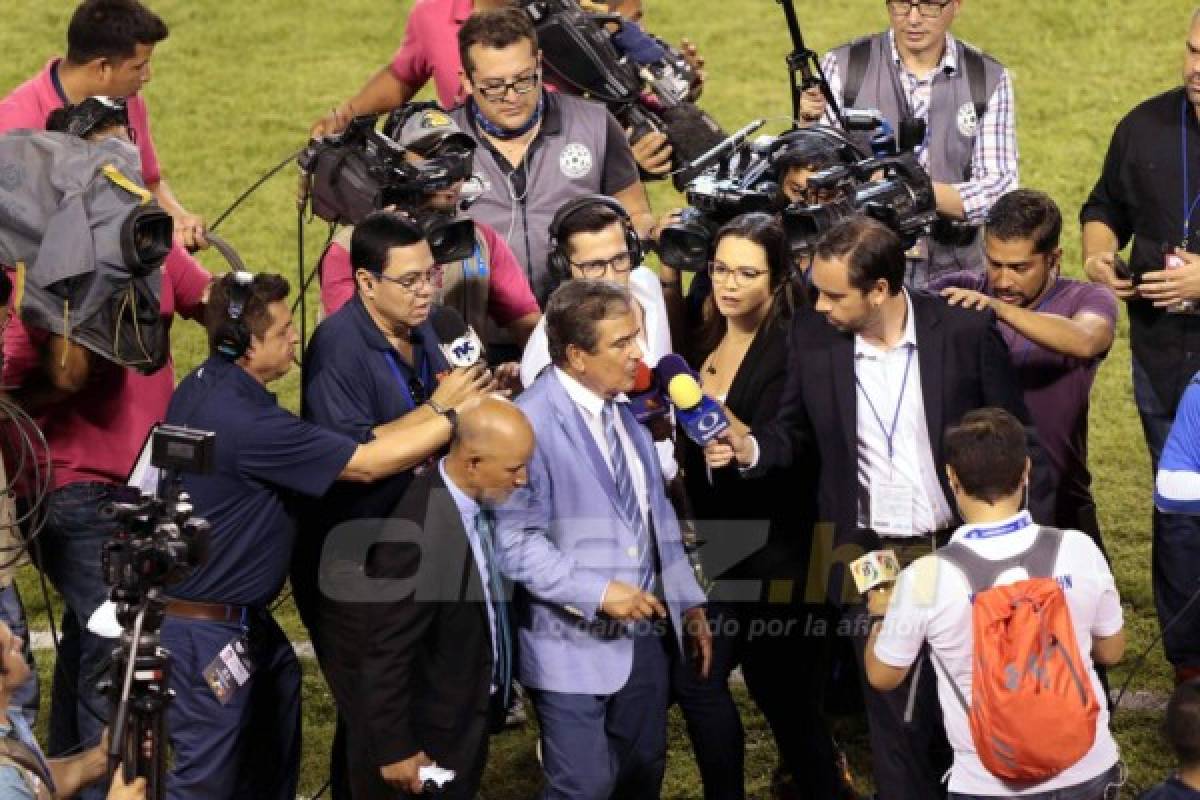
436	663
876	375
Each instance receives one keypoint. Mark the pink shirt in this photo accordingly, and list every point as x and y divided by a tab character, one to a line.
430	48
96	435
509	295
29	104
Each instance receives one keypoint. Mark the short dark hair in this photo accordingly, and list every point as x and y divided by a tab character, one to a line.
1182	723
378	233
573	311
1026	214
871	249
591	218
497	29
987	451
111	29
267	288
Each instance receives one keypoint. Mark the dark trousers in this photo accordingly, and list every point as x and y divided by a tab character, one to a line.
596	747
249	748
1175	553
782	652
69	552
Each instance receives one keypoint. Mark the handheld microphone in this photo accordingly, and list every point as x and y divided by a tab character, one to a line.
726	145
646	399
875	569
702	418
458	342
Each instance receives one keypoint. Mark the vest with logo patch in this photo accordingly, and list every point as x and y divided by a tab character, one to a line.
951	126
559	165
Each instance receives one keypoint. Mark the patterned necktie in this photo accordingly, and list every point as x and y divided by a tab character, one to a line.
502	669
627	495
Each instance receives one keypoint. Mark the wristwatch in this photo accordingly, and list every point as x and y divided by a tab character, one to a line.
449	413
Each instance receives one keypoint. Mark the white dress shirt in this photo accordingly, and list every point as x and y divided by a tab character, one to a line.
879	383
468	509
590	406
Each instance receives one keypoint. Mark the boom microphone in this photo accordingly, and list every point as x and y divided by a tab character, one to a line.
702	418
727	145
458	342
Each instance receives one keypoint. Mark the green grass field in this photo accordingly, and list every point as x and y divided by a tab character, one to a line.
237	85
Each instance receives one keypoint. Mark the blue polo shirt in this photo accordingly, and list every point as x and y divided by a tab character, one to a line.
355	381
264	455
1181	454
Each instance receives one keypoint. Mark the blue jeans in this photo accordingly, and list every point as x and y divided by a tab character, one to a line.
69	551
1175	553
1106	786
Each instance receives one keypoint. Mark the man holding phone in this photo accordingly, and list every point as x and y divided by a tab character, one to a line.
1148	192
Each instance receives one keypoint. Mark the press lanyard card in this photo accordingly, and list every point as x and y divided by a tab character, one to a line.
230	670
892	508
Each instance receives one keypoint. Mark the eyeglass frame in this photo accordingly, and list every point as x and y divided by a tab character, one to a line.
941	7
489	93
599	266
431	277
736	271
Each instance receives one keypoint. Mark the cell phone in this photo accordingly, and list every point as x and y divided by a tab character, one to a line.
1121	268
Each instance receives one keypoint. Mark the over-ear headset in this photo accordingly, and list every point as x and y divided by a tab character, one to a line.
557	263
232	336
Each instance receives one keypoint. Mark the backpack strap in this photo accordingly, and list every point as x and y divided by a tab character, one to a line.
981	573
972	60
858	58
17	753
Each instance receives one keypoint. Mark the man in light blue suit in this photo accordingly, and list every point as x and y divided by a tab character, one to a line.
605	586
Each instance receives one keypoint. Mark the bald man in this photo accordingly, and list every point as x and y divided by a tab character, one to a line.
437	662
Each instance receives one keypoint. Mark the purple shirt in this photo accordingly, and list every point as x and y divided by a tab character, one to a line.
1056	386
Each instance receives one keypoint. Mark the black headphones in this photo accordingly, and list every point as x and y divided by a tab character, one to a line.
557	263
817	141
232	337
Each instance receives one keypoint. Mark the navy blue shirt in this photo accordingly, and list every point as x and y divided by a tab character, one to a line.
1171	789
355	381
263	455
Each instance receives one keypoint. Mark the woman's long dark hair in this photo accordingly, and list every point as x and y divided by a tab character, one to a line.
766	231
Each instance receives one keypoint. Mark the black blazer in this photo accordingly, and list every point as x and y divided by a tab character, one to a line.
734	513
964	366
427	658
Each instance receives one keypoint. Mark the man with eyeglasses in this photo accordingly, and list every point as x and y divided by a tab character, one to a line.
373	365
537	149
917	69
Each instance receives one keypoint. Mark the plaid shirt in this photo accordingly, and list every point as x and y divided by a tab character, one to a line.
994	156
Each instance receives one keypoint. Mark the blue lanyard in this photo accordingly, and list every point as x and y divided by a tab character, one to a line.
890	435
1188	208
1022	521
481	267
394	363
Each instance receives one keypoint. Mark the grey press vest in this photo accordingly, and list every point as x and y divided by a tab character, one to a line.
561	166
950	143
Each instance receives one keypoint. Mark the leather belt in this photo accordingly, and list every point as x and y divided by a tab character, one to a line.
211	612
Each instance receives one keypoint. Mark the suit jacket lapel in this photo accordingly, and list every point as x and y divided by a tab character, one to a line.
931	344
841	357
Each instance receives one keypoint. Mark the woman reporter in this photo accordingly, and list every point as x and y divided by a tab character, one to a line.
763	526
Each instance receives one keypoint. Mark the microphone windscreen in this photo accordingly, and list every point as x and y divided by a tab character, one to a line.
669	366
643	379
684	391
448	324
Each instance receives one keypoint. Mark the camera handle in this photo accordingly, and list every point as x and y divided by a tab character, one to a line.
138	738
804	68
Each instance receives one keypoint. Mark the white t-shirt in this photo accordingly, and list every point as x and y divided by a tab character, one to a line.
655	343
932	603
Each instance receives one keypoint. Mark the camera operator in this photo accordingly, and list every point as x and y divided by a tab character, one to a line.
1057	330
489	289
109	47
537	149
931	608
429	50
875	372
240	737
917	69
96	416
374	365
25	772
1160	286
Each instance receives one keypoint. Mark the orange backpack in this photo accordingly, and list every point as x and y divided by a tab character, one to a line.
1032	711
